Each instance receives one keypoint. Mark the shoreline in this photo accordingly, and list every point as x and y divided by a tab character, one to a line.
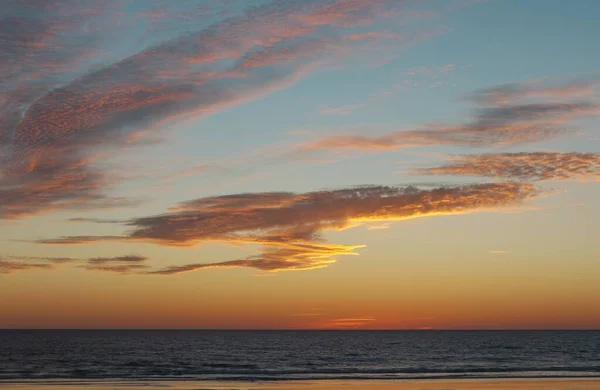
315	378
582	383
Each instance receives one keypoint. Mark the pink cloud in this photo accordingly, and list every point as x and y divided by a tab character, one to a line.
52	134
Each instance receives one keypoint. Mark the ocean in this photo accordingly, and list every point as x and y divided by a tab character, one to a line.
295	355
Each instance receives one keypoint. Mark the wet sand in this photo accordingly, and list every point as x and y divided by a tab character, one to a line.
442	384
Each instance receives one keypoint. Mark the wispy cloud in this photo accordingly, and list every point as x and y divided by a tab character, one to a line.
510	123
515	92
121	264
118	268
44	44
8	267
542	166
129	259
53	126
289	226
10	264
93	220
345	323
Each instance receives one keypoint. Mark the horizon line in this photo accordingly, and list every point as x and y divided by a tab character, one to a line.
309	330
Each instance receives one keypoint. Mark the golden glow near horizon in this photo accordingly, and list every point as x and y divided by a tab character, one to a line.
162	169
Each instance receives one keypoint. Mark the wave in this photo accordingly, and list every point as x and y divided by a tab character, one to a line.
281	356
288	375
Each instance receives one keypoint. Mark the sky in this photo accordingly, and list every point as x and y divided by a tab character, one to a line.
299	164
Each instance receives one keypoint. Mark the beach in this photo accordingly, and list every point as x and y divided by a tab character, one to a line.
442	384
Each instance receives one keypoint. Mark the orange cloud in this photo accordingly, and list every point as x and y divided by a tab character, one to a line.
542	166
289	226
347	323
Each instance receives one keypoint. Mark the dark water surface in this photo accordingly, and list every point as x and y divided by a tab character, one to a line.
282	355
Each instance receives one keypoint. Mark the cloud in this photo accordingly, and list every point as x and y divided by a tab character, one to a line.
8	267
46	41
130	259
347	323
54	119
36	55
120	268
94	220
10	264
290	226
55	183
507	124
515	92
121	264
79	240
51	260
541	166
300	256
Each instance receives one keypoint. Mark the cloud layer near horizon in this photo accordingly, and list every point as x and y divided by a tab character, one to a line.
61	107
289	226
11	264
120	264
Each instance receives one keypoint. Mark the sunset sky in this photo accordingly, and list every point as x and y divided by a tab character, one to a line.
291	164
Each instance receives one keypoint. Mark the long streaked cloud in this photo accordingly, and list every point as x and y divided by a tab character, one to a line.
346	323
129	259
120	264
540	166
12	264
9	267
515	92
117	268
290	226
510	122
53	127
